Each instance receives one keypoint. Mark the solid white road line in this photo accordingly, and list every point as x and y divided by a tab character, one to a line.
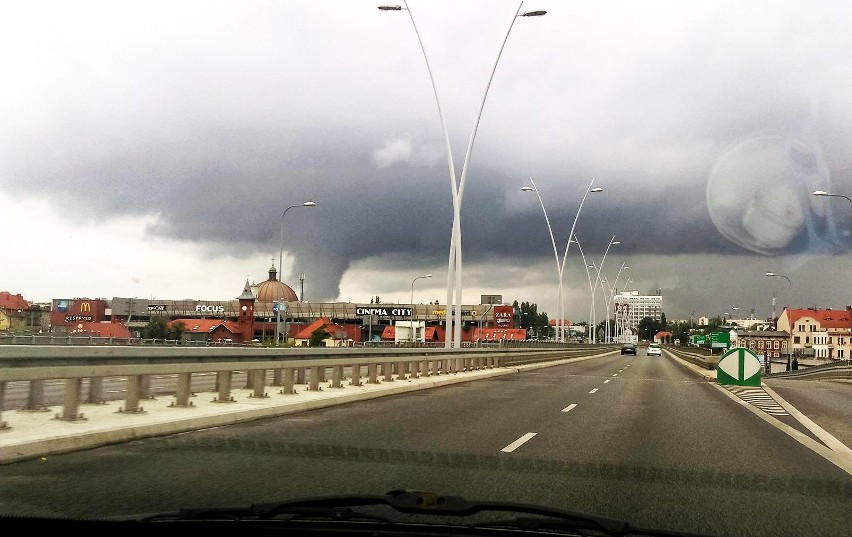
827	438
593	390
518	443
570	407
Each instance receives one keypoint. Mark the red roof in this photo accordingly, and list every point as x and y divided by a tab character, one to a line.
114	330
323	322
206	325
8	301
826	318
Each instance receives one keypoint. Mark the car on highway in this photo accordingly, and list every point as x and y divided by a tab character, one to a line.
654	349
628	348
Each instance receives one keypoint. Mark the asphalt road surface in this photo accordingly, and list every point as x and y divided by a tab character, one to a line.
631	437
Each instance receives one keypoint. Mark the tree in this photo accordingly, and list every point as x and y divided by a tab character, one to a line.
530	318
317	337
175	331
648	327
156	328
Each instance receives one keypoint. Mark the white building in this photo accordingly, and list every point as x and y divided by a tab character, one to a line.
629	308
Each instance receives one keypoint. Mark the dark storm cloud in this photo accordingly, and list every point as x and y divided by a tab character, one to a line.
217	133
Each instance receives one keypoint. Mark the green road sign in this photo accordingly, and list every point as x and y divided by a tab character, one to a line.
720	340
698	340
738	367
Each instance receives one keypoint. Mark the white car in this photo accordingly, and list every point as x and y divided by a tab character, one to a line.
654	349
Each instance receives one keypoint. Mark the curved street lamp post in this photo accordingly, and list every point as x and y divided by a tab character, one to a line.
608	299
454	261
308	203
560	265
588	276
790	346
592	312
413	337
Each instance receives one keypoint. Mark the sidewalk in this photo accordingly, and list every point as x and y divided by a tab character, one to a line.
31	434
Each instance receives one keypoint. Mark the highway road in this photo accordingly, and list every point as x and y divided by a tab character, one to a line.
632	437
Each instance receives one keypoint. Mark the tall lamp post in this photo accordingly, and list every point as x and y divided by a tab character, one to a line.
824	193
413	338
790	346
608	298
454	262
560	265
588	276
281	252
592	312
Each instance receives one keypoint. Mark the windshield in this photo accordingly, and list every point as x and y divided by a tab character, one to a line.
256	251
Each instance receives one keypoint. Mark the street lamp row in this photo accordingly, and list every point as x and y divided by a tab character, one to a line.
454	260
560	265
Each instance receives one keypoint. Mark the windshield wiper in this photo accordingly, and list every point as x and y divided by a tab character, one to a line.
529	517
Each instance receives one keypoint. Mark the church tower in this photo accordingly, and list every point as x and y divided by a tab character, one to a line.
245	319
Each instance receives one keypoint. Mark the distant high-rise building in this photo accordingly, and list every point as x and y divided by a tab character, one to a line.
630	308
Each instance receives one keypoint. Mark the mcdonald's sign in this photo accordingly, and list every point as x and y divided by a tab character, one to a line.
85	307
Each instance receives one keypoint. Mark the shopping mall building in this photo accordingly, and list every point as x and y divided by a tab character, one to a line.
271	308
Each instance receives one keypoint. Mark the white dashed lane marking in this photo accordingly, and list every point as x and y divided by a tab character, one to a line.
593	390
518	443
570	407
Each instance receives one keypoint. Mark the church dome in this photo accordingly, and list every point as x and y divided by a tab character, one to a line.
273	290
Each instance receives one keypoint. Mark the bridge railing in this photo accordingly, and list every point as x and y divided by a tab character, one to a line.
137	364
839	369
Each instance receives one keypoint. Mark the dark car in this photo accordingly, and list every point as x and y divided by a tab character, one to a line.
628	348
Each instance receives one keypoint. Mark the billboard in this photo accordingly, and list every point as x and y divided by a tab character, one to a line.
504	317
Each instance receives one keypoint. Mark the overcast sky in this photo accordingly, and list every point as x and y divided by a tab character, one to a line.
148	149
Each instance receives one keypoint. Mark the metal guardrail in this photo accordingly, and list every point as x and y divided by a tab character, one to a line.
522	359
701	360
86	341
36	364
841	369
69	340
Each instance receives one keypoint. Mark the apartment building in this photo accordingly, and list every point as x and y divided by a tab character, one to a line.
819	333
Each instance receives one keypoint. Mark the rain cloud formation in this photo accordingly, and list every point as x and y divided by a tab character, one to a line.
708	124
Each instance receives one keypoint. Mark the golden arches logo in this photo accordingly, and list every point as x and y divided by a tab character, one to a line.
86	307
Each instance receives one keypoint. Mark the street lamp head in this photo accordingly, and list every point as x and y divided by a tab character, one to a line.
427	276
390	8
770	274
820	193
598	189
538	13
616	242
527	189
309	204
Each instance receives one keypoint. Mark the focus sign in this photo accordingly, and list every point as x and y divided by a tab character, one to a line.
738	367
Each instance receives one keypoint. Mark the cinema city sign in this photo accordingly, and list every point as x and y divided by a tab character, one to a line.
384	312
